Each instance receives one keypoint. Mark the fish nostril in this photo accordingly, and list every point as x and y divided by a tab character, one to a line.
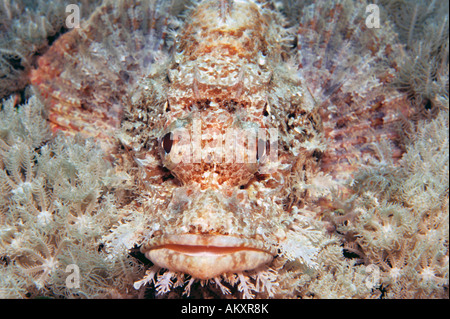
167	142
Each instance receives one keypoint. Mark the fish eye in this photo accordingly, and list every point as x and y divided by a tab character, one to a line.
167	142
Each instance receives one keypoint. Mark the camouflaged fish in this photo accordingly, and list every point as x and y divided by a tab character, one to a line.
225	116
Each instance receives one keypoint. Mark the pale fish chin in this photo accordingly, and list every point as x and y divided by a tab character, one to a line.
206	256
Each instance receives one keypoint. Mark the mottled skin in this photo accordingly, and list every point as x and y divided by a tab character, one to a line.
227	73
225	113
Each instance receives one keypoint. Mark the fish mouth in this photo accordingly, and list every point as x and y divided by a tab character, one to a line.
207	256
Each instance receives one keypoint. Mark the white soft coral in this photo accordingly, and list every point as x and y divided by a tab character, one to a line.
40	261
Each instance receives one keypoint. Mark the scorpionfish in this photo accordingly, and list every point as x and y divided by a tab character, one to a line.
223	118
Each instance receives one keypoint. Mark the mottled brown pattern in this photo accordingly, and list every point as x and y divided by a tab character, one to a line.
231	67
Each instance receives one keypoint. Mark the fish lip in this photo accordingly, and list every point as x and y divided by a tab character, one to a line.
207	256
206	241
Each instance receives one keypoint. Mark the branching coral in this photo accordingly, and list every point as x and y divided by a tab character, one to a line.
12	285
423	27
402	225
55	209
41	258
